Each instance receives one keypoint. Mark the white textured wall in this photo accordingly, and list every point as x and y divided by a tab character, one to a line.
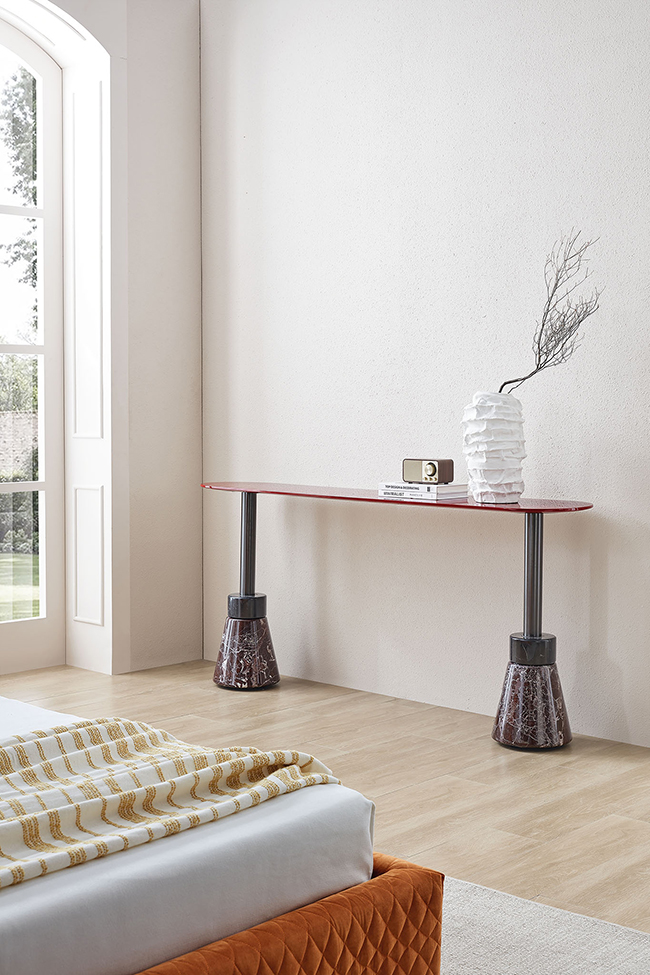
164	261
382	183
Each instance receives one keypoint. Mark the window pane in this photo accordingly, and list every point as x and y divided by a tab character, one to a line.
19	248
17	132
19	418
19	559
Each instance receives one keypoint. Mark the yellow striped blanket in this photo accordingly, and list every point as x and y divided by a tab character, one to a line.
81	791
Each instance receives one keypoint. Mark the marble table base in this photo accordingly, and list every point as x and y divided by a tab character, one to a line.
531	712
246	660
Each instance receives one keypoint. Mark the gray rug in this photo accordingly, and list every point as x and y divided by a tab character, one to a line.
485	932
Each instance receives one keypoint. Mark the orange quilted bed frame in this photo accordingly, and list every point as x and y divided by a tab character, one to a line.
391	923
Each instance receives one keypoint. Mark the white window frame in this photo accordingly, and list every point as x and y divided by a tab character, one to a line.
40	642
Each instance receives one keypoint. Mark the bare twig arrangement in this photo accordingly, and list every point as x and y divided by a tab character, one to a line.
556	337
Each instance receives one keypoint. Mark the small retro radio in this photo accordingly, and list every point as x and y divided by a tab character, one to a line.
428	471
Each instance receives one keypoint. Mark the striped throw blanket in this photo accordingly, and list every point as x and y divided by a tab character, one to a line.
81	791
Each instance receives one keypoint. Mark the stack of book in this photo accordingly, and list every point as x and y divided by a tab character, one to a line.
412	491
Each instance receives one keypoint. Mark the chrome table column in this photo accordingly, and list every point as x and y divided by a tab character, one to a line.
246	660
531	712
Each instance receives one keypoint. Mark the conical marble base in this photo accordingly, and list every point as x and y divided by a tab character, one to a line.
531	712
246	660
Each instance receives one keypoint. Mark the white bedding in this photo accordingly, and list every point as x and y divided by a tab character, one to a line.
137	908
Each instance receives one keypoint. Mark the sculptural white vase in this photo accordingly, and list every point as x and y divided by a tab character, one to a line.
493	445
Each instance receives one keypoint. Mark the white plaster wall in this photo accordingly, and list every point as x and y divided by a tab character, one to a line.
382	183
156	325
164	247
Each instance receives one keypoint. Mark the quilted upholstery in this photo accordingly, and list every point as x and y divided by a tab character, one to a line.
390	924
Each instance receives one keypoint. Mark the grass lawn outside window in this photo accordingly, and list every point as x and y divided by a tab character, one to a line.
19	590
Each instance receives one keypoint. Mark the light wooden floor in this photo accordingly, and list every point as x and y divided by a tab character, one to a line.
569	828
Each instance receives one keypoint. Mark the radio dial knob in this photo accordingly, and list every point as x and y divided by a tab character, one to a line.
429	469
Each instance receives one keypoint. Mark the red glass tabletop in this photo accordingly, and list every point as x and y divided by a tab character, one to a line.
524	505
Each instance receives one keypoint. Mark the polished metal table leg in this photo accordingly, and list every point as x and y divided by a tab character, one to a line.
533	572
248	542
246	660
531	712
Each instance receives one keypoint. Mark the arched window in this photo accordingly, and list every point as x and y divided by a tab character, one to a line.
56	587
32	550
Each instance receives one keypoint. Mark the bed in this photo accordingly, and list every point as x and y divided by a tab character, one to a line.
289	883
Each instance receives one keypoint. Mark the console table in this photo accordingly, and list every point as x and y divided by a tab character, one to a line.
531	711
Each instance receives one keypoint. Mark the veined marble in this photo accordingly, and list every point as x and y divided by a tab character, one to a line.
531	712
246	659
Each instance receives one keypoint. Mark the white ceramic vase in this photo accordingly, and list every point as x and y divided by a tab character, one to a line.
493	445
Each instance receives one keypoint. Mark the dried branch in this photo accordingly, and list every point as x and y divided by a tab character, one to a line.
556	337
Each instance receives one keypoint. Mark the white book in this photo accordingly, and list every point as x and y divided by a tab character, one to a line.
423	498
433	490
